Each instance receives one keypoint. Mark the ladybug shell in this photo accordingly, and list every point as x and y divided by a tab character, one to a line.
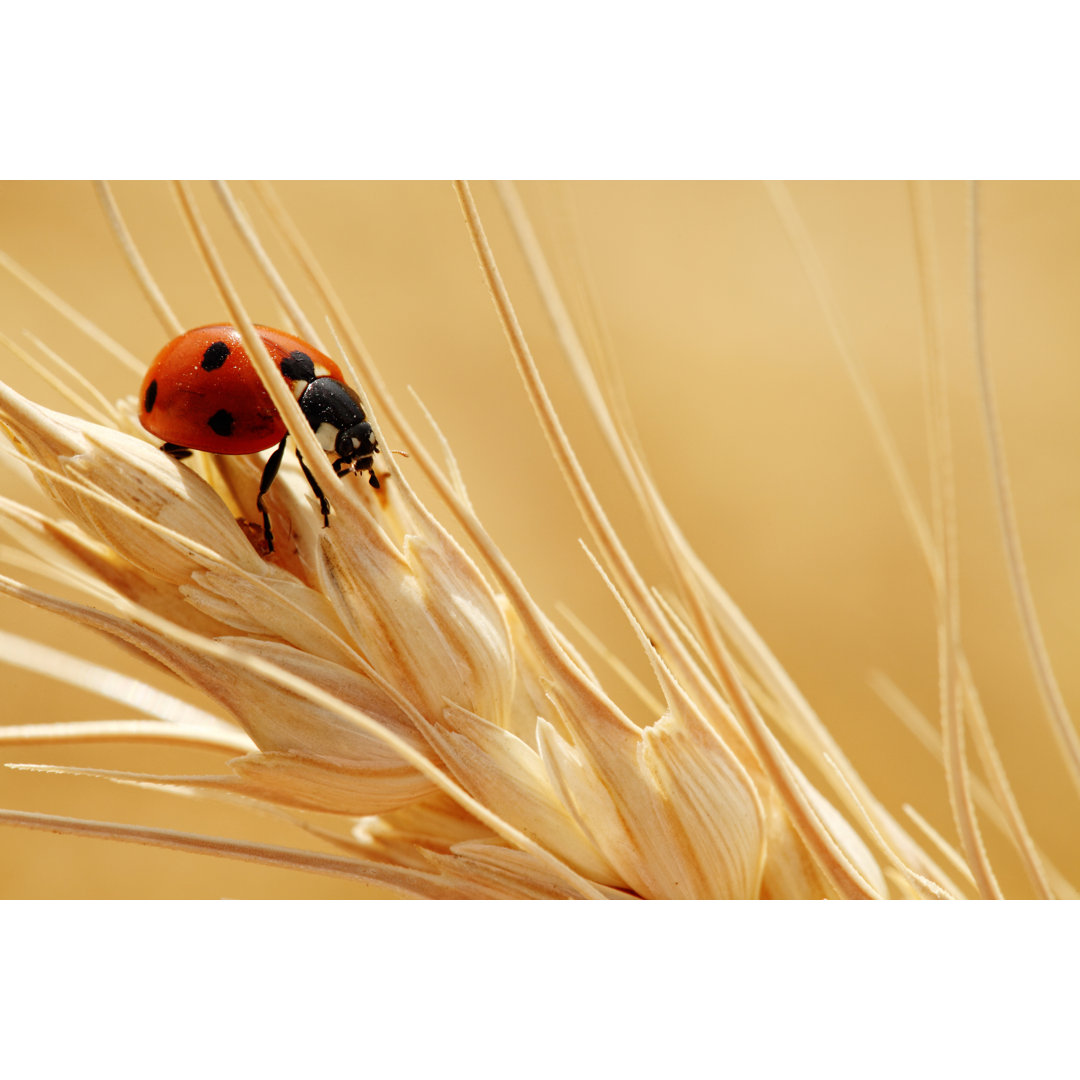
202	391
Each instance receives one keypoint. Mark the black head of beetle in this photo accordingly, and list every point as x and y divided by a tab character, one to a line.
337	418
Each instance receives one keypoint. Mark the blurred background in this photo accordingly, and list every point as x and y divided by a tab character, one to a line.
744	412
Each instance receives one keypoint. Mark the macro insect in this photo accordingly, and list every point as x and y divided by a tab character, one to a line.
203	393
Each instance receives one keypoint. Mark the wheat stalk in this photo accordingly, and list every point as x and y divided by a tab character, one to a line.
378	672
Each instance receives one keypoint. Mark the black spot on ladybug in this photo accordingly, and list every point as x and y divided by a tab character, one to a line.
215	356
299	366
221	423
151	396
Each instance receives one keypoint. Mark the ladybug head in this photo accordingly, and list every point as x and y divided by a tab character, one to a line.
355	445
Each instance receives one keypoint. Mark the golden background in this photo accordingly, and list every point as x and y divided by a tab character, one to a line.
742	407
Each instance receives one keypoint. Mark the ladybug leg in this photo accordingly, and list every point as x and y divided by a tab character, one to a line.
324	506
373	480
270	471
175	451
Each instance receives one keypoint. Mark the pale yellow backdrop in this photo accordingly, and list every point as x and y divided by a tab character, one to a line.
742	407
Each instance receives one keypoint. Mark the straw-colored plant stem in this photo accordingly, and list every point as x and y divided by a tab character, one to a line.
946	582
154	296
1060	721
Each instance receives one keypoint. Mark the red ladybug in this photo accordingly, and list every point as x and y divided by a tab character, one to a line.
203	393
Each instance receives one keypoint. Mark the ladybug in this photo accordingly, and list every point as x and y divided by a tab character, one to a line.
203	393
